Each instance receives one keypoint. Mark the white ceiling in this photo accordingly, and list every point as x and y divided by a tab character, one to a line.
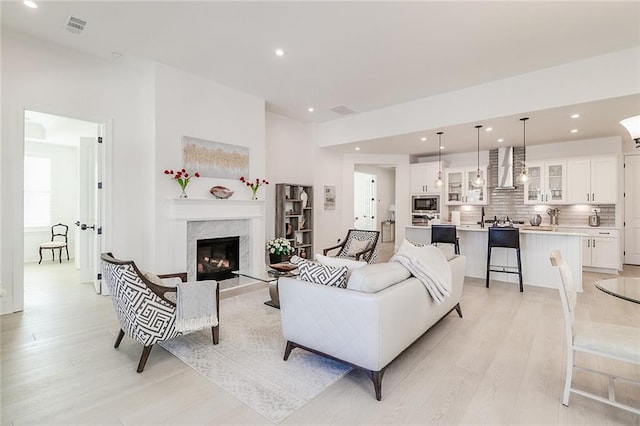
363	55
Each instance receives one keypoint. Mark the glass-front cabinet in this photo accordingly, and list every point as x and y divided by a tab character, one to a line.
547	183
460	189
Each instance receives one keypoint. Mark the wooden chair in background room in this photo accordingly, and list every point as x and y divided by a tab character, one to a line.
613	341
60	232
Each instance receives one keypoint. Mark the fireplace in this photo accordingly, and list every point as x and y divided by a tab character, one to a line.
216	258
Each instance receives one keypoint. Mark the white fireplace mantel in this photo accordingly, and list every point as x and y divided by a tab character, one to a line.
181	211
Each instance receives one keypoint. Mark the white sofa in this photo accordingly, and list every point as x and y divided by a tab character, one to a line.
382	311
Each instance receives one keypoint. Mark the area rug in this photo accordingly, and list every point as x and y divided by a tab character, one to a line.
248	362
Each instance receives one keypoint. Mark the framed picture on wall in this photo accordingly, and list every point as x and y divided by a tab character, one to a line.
329	197
215	159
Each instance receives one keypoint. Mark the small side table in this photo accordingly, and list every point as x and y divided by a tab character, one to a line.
388	231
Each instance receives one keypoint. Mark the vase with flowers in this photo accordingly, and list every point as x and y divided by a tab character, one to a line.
183	178
254	185
278	248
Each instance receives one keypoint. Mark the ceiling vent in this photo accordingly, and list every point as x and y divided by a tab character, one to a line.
74	25
342	110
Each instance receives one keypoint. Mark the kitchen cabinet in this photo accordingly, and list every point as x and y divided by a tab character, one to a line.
459	188
547	183
600	248
423	176
592	180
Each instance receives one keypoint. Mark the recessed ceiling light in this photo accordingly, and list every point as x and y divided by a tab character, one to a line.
310	109
30	4
357	148
574	130
279	52
500	140
116	54
488	129
423	139
575	116
442	147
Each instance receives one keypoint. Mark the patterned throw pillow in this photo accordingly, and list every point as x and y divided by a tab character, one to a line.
326	275
357	246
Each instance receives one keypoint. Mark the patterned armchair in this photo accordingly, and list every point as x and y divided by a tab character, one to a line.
359	244
146	310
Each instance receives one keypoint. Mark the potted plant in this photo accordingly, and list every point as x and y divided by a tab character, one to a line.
278	248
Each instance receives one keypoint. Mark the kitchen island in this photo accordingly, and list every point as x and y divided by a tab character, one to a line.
535	249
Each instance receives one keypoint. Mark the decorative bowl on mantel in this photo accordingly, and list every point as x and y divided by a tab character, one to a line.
221	192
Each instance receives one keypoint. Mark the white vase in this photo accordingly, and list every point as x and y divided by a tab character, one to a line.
303	197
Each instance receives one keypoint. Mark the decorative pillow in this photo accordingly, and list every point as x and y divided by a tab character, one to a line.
337	262
326	275
357	246
447	249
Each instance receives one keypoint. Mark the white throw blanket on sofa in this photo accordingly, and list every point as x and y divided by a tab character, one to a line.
429	265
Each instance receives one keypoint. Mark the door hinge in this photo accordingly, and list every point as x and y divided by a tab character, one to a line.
99	230
99	185
99	139
99	276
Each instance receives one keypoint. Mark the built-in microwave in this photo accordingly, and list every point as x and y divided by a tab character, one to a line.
425	204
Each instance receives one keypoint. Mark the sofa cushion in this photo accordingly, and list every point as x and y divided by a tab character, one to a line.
337	262
378	276
320	274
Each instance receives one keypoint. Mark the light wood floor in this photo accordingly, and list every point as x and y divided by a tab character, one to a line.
503	363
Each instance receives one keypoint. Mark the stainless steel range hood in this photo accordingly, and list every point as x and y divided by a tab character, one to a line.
505	168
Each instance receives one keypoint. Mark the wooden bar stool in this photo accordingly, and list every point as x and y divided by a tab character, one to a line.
507	238
445	234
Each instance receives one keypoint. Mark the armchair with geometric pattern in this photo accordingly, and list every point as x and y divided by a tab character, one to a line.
359	244
146	310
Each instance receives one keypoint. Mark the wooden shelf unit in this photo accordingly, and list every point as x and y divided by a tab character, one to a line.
291	213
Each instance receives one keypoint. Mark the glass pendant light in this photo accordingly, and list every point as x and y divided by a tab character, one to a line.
478	181
438	182
524	176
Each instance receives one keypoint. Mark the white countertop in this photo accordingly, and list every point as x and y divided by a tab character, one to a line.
528	230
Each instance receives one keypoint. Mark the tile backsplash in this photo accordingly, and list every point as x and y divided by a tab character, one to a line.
510	202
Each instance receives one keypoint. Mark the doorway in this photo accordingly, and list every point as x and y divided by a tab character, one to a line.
365	201
632	210
376	200
62	168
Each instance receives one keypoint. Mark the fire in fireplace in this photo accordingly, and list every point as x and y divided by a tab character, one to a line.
217	257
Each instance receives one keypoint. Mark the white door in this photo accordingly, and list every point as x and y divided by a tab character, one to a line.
364	203
632	210
89	223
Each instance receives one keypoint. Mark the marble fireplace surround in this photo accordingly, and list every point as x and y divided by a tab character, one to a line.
194	219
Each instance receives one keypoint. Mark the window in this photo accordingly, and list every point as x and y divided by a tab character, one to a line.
37	191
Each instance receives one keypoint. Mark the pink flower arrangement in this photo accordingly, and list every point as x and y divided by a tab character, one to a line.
183	178
254	185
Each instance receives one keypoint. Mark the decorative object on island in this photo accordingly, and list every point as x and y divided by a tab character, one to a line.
632	124
183	178
254	185
221	192
294	218
478	181
438	182
524	177
277	248
535	220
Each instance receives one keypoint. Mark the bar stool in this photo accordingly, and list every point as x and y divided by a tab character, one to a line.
445	234
507	238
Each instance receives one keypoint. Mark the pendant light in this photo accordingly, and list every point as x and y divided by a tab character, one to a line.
438	182
478	181
524	176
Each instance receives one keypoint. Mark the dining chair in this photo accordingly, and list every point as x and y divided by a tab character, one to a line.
59	231
613	341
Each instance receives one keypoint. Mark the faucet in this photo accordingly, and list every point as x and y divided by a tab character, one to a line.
482	218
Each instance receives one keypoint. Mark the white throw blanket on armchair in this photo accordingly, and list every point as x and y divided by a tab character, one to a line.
429	265
196	306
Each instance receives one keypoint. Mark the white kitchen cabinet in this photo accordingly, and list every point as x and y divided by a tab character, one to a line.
423	176
460	190
547	183
592	180
600	248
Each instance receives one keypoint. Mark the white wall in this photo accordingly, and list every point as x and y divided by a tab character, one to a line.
44	77
64	197
606	76
188	105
